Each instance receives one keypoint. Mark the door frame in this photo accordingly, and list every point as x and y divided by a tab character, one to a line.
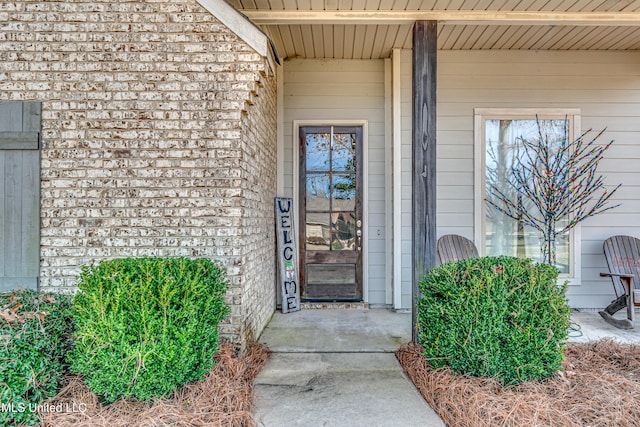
297	124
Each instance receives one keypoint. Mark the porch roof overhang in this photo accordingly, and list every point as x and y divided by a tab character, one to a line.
362	29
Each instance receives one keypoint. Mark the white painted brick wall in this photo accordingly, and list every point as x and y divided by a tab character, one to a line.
158	140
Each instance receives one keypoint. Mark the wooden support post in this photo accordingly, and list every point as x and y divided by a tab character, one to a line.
425	40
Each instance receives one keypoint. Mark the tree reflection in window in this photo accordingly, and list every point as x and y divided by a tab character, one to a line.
331	187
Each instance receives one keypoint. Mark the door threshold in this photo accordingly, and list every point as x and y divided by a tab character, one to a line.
334	305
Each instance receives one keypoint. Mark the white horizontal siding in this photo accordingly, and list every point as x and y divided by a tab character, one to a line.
338	90
605	86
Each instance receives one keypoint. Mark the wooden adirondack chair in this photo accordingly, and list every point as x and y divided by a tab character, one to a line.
452	247
623	258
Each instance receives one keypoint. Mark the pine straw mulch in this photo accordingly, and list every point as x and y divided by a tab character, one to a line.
223	398
599	386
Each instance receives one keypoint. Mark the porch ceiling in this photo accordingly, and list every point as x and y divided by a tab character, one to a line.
365	29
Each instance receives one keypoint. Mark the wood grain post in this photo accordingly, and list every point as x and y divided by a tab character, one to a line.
425	40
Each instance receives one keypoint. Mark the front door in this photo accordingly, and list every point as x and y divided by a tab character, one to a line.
331	213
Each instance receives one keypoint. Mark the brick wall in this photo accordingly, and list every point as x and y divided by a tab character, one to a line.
158	140
259	173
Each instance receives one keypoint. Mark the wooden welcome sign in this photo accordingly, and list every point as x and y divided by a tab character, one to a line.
287	255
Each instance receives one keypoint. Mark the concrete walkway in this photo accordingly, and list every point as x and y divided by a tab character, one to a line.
337	368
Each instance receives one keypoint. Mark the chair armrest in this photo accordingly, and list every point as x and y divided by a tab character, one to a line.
626	276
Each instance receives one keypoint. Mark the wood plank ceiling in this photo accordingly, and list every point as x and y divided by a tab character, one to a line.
372	41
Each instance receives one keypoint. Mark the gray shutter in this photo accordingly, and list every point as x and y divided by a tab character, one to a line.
20	124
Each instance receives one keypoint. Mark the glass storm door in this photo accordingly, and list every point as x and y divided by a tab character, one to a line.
331	213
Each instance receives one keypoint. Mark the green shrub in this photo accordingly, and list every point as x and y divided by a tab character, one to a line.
146	326
498	317
35	334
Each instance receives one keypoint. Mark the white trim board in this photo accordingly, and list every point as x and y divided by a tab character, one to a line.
280	129
455	17
397	177
388	180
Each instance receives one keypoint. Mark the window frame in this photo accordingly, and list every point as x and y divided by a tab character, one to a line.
481	115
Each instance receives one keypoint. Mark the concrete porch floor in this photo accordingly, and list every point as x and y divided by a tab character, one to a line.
592	327
336	367
337	330
383	330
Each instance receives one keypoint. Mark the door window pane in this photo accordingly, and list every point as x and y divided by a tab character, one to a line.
317	232
317	150
343	227
343	152
344	192
318	192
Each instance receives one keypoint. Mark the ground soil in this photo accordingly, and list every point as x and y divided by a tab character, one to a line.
599	386
223	398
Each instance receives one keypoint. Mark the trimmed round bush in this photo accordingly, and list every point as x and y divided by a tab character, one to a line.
35	335
496	317
146	326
